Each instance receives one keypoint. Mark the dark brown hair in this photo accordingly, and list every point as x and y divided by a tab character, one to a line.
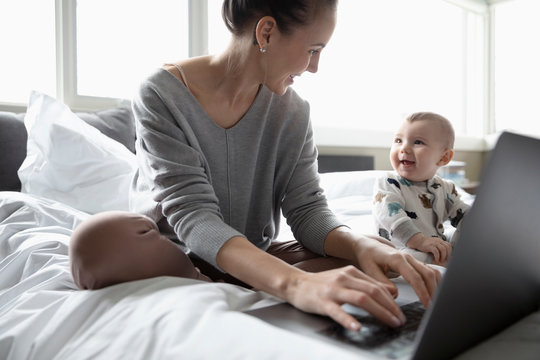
239	15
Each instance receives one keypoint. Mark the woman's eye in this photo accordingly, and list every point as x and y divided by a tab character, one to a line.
313	52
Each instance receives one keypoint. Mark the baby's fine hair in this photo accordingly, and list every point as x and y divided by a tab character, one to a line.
239	15
445	124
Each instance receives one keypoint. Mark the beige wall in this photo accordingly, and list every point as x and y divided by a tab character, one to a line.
474	159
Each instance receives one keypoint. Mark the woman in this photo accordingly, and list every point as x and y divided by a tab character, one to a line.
224	144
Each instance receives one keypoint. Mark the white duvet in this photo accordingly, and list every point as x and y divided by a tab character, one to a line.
44	316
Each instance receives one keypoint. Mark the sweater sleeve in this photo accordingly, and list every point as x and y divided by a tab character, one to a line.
304	205
173	170
389	210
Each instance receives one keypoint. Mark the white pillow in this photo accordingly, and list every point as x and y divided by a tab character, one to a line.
349	183
72	162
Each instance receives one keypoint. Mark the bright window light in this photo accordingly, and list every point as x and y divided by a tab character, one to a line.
516	66
218	34
120	42
387	59
28	60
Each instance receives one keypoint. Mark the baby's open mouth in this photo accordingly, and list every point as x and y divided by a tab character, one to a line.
407	162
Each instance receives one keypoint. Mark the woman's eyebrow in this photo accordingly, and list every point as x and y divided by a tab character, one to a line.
319	44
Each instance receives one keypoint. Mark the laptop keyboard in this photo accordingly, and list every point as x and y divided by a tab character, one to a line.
379	337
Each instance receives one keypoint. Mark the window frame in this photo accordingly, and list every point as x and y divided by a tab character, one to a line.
66	79
66	52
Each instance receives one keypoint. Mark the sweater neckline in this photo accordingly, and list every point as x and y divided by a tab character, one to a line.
261	94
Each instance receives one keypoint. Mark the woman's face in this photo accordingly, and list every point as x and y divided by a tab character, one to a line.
290	55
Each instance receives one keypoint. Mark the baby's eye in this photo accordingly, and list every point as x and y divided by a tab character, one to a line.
397	141
418	142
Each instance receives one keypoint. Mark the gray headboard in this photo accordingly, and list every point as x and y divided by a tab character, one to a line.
12	149
116	123
336	163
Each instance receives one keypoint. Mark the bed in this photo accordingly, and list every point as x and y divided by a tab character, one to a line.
57	168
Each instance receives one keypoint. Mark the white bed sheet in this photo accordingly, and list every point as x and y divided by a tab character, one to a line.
44	316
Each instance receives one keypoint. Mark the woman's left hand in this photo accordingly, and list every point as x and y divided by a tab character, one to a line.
376	258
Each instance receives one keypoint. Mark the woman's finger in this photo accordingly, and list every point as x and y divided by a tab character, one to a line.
336	312
425	280
385	283
413	272
372	298
376	273
349	285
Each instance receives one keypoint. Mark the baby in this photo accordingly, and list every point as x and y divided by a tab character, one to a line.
412	203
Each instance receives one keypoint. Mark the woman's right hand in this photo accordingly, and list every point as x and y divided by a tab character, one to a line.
324	292
321	292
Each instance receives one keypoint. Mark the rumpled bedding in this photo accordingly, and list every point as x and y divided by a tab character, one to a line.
44	316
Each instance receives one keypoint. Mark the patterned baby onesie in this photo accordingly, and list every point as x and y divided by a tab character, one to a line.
403	208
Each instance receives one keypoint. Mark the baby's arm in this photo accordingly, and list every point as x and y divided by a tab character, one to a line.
440	249
390	216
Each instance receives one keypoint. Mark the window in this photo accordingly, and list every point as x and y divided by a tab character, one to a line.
390	58
119	42
516	69
28	49
218	34
386	59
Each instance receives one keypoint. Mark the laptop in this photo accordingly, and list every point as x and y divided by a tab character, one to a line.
491	282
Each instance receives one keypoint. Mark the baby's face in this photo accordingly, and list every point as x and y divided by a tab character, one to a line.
417	150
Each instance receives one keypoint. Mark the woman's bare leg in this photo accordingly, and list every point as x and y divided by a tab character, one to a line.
115	247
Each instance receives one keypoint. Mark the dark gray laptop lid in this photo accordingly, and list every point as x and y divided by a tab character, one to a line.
493	278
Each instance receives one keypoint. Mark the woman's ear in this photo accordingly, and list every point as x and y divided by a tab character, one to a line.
446	157
265	29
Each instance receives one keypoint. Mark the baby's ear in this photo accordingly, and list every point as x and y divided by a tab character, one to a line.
446	157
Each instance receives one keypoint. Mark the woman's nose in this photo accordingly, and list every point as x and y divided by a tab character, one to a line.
313	65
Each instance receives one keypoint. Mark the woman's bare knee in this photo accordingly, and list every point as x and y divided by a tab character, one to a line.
91	244
115	247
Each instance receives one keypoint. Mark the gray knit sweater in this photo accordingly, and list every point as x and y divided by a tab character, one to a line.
204	184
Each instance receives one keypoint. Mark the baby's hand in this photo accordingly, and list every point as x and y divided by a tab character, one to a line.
440	249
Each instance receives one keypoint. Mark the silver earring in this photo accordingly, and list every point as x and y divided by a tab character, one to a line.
262	50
